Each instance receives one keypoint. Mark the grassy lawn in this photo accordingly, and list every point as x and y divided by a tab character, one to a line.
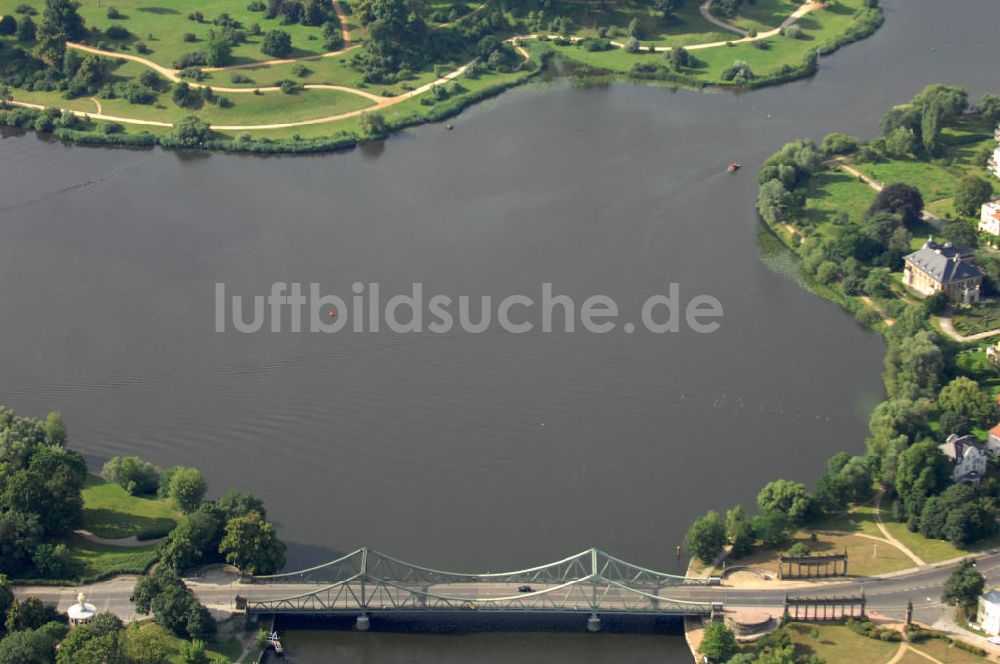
222	649
162	26
860	551
945	652
688	26
831	192
98	560
764	15
980	317
835	644
110	512
934	181
935	550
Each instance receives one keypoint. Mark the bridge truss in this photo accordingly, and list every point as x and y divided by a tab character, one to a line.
367	580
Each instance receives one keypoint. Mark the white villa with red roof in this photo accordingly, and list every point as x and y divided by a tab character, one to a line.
989	218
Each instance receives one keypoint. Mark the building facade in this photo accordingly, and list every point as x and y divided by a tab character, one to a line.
989	217
989	612
936	268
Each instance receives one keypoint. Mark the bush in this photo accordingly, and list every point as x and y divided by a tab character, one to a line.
113	13
190	37
793	32
142	476
117	32
738	72
187	60
8	25
277	43
115	128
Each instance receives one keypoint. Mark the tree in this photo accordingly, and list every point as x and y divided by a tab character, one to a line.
98	642
963	587
706	537
6	597
333	36
194	653
901	199
8	25
785	497
60	23
738	72
960	233
922	470
252	545
55	429
774	201
27	31
989	108
878	283
33	646
678	57
277	43
220	50
835	143
970	193
373	125
147	643
930	127
770	528
963	395
29	613
191	130
136	476
187	488
240	503
718	643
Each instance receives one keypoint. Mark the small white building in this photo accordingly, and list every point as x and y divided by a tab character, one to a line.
969	457
989	217
989	612
81	613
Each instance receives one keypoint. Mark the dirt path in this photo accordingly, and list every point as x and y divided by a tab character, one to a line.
98	104
885	531
381	102
706	12
871	303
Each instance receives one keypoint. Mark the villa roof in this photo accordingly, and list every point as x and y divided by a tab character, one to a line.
992	596
956	446
995	431
943	262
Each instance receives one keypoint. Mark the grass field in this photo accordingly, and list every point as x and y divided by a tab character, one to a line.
162	26
764	15
110	512
765	57
834	191
945	652
836	644
864	560
92	560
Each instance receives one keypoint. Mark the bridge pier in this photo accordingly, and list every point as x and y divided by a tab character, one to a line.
594	623
363	623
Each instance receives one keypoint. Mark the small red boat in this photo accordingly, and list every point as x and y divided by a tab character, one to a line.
733	167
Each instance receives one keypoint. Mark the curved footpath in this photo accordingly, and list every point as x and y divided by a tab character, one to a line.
381	102
706	12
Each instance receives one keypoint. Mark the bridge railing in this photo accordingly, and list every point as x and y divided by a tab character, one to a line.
378	565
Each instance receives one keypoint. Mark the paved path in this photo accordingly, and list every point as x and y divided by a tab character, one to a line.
948	328
706	12
885	531
127	542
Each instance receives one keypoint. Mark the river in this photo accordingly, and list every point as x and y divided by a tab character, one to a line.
461	451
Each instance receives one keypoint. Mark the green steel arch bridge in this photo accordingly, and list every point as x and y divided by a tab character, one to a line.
366	581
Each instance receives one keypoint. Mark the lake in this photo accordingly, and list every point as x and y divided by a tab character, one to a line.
471	452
